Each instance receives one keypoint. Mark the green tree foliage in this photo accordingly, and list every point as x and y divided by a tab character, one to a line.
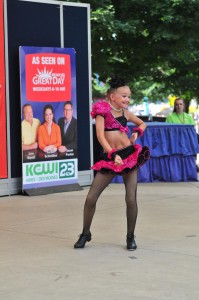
153	43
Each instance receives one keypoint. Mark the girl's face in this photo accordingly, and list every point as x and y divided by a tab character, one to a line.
48	115
121	97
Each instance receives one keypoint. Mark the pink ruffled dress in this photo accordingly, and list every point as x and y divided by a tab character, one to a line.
133	156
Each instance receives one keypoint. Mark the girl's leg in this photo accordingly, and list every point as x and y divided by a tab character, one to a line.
100	182
130	181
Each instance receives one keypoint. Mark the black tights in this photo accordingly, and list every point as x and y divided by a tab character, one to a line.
100	182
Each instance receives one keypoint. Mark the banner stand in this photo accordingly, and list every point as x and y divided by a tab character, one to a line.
49	119
52	190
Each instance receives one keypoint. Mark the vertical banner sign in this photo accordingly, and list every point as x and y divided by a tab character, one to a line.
49	116
3	148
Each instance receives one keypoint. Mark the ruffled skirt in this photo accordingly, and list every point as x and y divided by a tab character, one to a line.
133	156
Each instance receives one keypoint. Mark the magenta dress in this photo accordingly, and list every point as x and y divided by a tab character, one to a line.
133	156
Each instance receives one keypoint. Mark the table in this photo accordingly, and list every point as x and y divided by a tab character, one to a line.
173	149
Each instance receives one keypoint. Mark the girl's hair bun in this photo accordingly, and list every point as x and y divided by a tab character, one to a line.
116	82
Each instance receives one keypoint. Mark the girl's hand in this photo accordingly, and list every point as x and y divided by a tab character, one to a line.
133	137
118	161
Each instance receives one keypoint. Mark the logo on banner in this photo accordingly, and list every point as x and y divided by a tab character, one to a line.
50	171
48	77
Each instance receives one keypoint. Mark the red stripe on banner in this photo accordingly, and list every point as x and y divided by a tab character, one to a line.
3	148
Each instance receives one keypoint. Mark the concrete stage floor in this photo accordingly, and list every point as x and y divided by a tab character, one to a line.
38	261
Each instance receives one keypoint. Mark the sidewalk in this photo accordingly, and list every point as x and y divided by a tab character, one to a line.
38	261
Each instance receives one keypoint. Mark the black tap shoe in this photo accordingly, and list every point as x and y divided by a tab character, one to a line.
83	238
130	243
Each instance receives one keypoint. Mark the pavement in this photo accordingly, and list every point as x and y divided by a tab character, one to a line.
38	261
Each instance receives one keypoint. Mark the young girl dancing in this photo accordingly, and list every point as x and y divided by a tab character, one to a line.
121	156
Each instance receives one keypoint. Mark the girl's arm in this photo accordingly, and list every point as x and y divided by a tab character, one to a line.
138	122
99	121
